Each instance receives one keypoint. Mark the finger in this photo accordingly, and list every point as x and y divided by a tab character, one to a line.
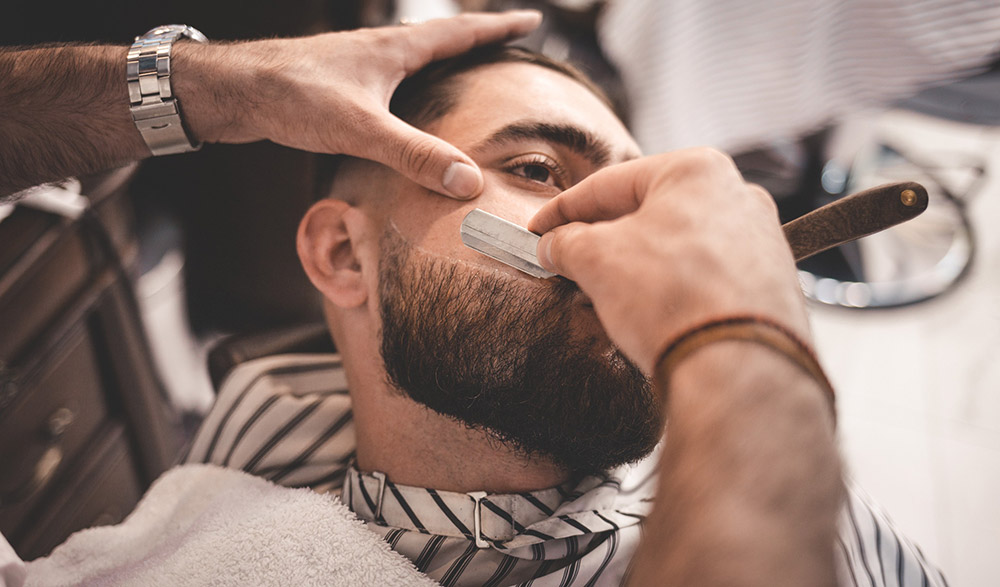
605	195
763	196
567	249
423	158
620	189
446	37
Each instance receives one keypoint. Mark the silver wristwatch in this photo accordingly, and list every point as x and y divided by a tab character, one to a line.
155	110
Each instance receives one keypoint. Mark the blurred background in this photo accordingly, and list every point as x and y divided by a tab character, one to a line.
814	99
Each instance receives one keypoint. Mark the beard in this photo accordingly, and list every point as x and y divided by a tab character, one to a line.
501	355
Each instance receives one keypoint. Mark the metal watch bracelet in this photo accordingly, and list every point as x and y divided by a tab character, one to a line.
155	110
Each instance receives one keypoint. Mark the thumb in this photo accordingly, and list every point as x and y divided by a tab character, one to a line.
567	249
425	159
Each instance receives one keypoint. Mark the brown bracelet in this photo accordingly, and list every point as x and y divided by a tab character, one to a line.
747	328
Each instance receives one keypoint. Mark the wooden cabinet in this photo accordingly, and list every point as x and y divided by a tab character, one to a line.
85	425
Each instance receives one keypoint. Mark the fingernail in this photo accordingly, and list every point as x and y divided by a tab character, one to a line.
544	252
536	15
461	180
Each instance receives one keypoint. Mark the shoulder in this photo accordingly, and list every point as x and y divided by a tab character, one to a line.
284	417
871	550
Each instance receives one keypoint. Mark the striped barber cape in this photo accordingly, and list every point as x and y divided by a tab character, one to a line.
287	418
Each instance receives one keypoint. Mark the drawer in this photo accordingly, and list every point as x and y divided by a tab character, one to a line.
103	489
49	423
39	284
20	231
46	259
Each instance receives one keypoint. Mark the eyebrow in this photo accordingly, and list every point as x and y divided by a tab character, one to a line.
595	150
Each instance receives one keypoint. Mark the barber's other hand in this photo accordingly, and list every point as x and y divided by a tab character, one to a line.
666	242
330	93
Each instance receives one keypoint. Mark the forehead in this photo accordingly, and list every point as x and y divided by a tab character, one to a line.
493	96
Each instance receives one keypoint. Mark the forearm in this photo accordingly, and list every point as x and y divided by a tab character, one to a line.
750	477
63	112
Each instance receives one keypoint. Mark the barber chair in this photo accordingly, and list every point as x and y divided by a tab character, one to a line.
231	351
85	425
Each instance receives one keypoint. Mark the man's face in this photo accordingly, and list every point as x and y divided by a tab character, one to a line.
523	358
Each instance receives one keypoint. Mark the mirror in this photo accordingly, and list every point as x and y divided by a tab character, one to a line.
910	263
907	264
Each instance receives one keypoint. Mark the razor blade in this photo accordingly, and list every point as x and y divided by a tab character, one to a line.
504	241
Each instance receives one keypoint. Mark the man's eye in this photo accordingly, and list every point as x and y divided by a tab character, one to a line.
536	172
537	168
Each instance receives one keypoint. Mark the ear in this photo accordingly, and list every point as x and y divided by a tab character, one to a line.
327	244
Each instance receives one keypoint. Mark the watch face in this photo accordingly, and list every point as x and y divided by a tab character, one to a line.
179	29
167	28
195	35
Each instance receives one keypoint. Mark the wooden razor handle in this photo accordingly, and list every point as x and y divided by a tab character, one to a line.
852	217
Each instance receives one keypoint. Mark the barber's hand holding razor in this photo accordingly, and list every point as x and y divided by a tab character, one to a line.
66	109
665	244
669	241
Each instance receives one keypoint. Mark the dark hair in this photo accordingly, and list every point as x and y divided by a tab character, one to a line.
431	93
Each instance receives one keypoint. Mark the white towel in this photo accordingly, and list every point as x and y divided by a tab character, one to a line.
12	570
205	525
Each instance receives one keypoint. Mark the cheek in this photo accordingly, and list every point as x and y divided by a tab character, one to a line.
432	222
371	278
517	206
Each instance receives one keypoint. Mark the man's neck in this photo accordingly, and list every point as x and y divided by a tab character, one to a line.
413	445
